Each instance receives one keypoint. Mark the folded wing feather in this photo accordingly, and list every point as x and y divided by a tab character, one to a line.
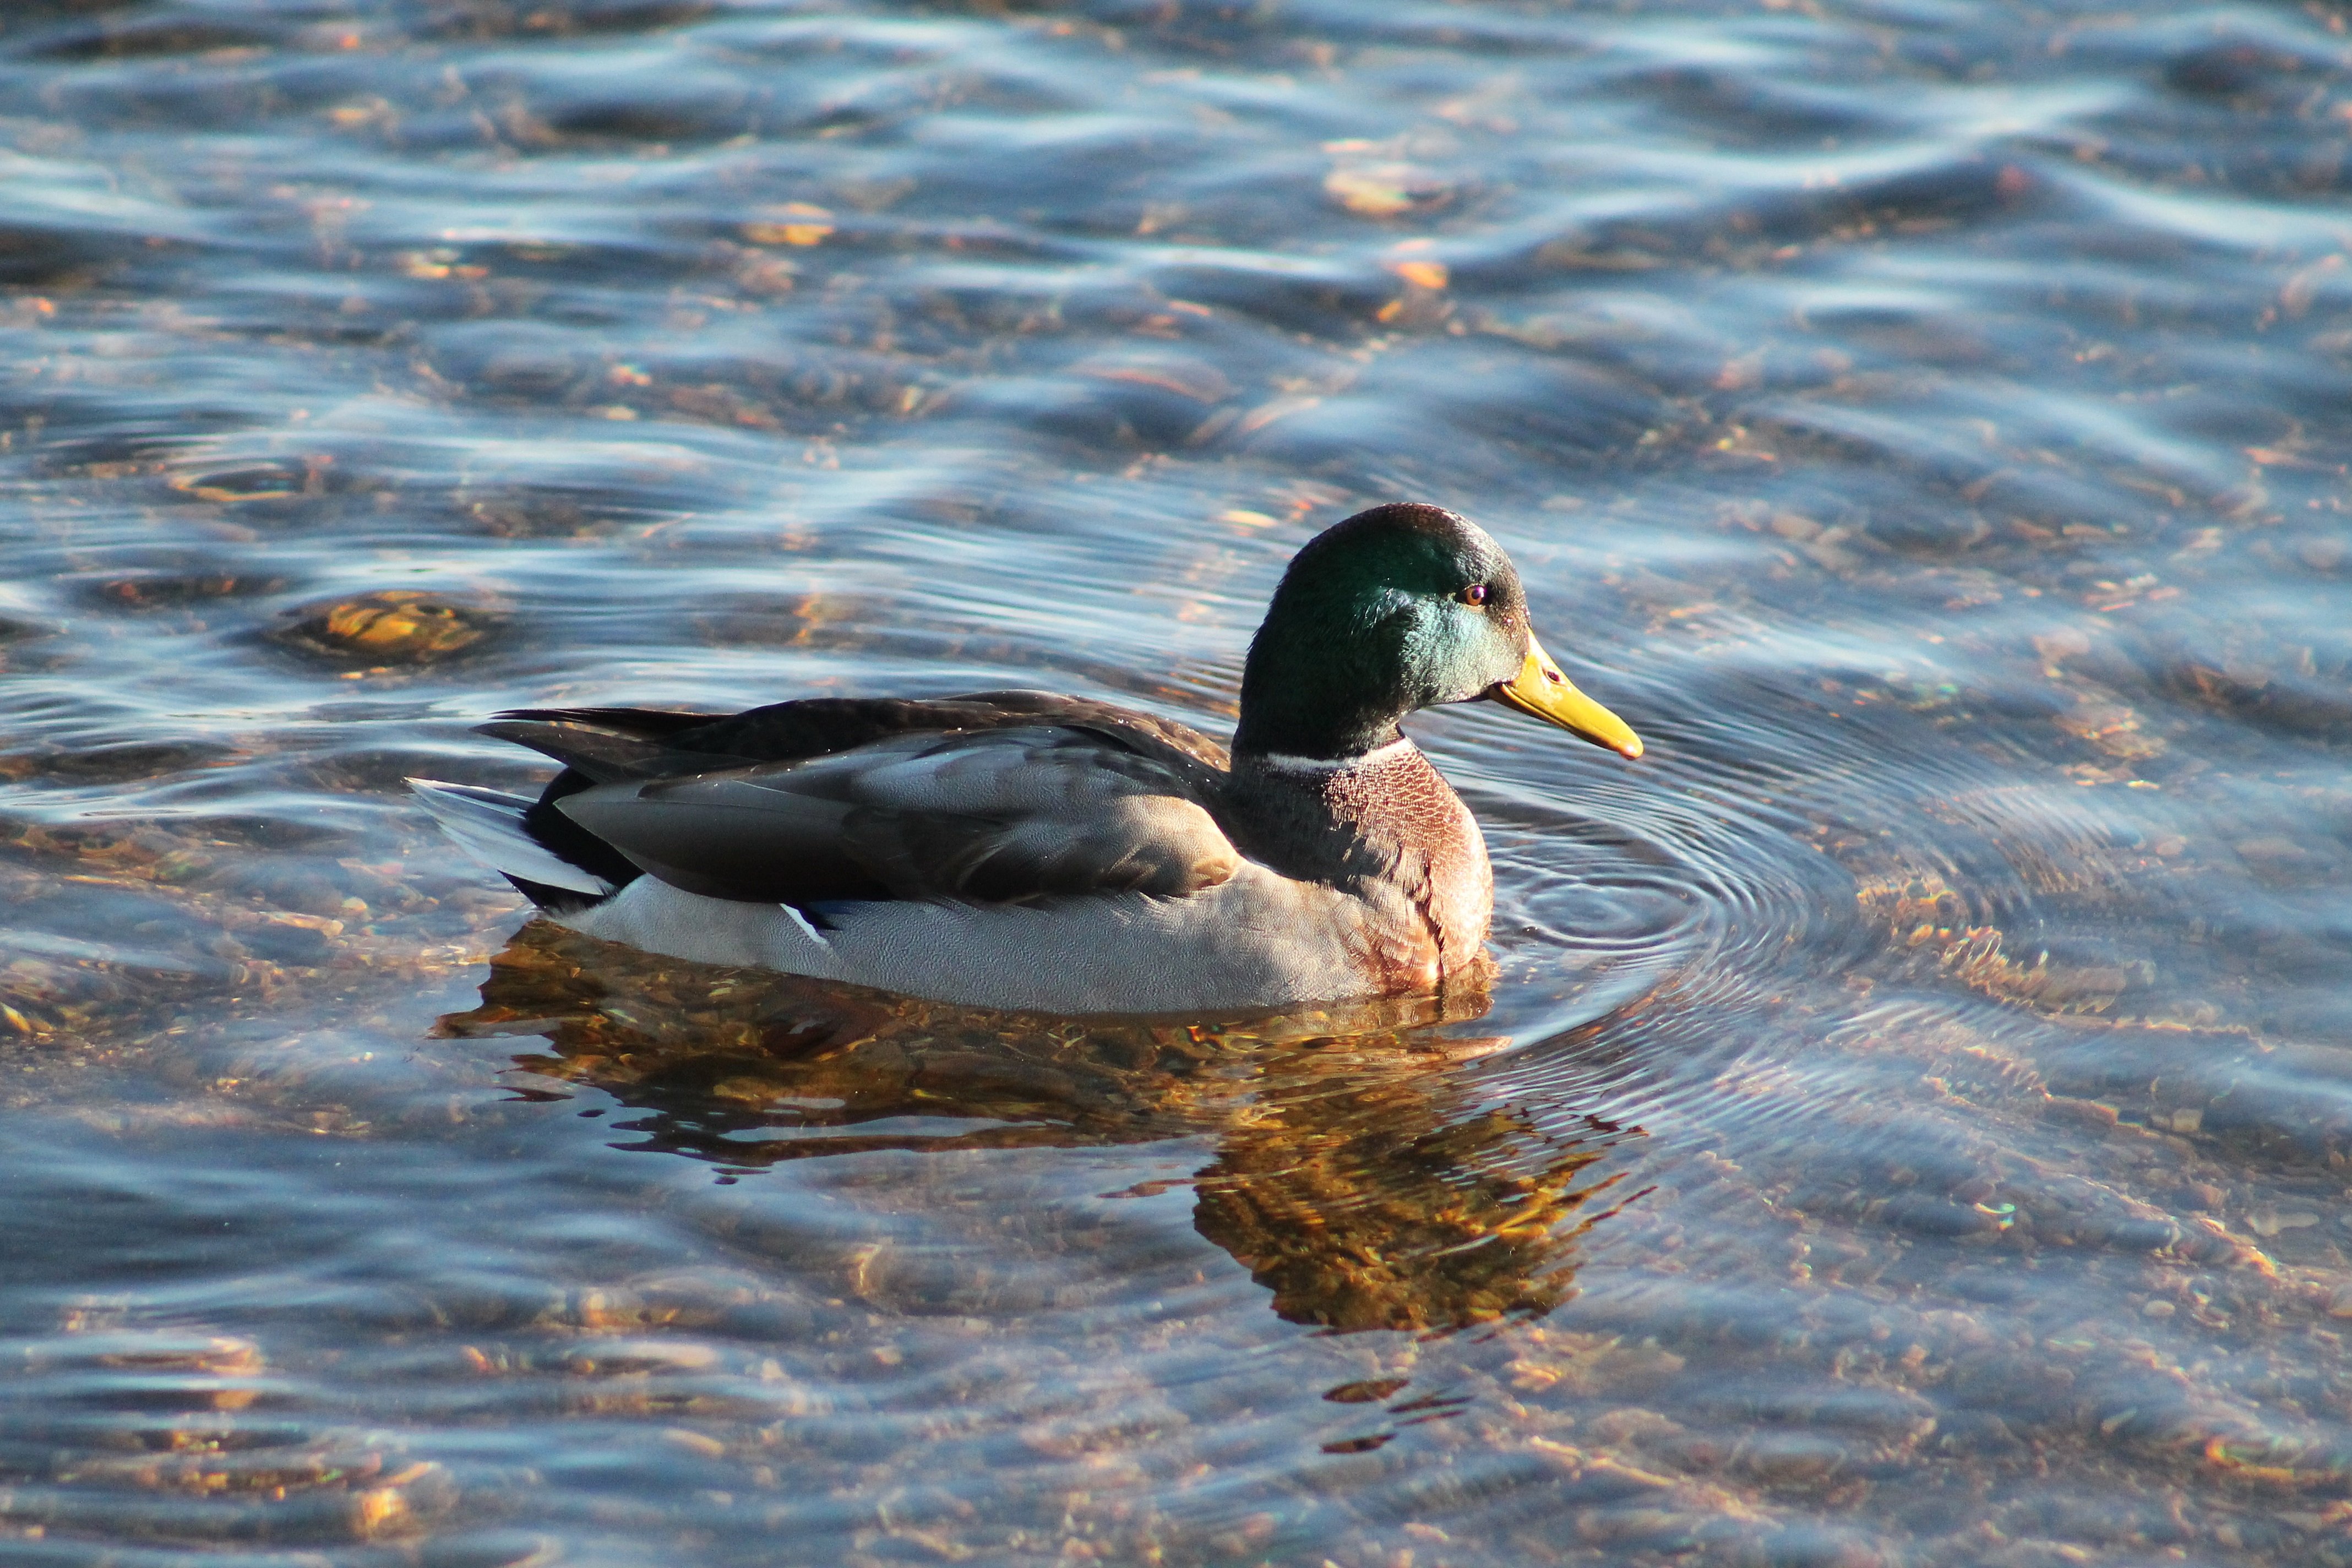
999	816
603	754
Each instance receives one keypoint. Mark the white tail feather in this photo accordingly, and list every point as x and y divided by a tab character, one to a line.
487	825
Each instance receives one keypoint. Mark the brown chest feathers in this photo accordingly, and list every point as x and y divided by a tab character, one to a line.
1388	830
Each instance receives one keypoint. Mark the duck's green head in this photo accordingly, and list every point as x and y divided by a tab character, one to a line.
1399	608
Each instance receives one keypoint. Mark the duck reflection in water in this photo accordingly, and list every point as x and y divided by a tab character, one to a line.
1356	1177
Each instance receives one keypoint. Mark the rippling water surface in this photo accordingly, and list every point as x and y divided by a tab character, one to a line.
1911	1117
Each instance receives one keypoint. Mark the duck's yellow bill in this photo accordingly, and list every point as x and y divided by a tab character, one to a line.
1542	692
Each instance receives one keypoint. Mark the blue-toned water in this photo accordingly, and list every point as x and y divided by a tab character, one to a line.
1910	1120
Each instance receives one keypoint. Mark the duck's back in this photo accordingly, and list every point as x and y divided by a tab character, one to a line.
661	743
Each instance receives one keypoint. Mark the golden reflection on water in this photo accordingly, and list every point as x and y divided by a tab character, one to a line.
1353	1176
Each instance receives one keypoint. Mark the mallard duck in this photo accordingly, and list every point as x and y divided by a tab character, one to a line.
1017	849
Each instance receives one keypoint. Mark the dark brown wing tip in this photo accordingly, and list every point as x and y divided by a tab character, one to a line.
643	722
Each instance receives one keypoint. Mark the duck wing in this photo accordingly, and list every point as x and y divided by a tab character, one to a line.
605	745
1003	815
820	726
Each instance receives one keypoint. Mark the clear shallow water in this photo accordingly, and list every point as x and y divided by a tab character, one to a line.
1910	1120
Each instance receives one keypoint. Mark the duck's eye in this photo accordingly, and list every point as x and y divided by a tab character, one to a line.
1475	594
